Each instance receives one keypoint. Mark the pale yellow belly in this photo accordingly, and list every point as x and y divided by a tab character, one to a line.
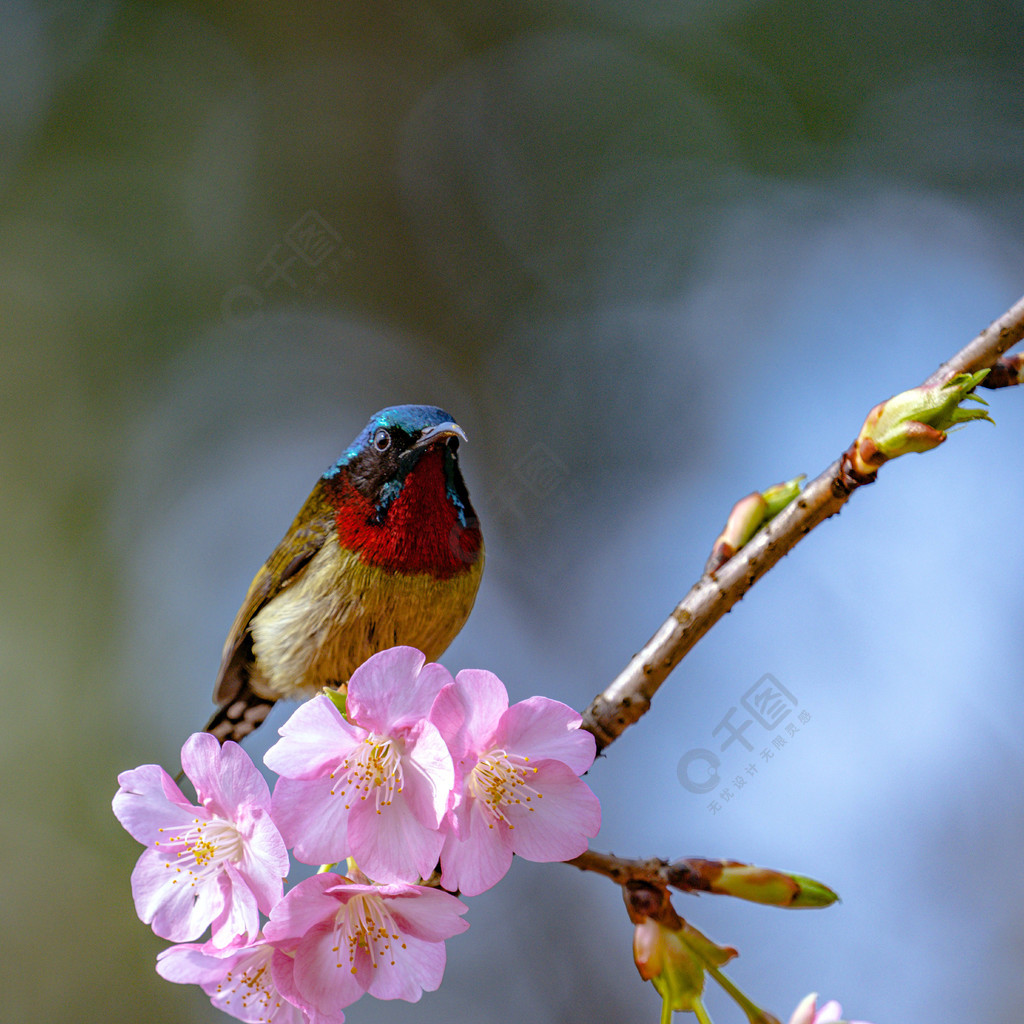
316	632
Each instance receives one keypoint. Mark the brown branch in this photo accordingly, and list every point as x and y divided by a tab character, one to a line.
622	869
629	695
694	874
987	347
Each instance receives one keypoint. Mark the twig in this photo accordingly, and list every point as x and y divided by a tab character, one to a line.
690	875
987	347
623	869
628	696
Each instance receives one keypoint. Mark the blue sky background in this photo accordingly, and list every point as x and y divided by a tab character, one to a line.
652	257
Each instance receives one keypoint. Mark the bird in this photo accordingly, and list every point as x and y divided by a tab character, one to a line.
386	551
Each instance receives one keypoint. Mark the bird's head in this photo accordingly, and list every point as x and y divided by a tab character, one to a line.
391	448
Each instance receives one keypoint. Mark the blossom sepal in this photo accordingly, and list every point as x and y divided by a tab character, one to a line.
339	698
670	953
676	959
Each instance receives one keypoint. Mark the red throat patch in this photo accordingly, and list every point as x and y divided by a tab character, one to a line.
421	532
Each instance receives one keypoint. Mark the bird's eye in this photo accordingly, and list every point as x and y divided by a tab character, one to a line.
381	440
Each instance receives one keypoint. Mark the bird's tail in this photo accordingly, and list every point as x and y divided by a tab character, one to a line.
239	716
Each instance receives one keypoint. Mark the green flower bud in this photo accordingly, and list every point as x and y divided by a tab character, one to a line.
748	515
915	421
759	885
780	495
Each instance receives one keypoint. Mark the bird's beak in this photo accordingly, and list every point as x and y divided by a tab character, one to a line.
436	433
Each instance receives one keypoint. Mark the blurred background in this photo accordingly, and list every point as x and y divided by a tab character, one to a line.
652	256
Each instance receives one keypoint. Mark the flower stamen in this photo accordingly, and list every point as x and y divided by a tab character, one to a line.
498	781
365	923
251	983
374	770
204	848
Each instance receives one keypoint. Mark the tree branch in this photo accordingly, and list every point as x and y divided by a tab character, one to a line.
628	697
987	347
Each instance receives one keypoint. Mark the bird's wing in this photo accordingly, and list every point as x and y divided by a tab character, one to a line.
286	563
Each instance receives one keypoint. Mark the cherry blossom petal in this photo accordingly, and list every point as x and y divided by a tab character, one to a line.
193	963
391	845
147	801
556	826
394	689
283	971
425	913
313	741
323	974
428	774
543	728
807	1012
305	906
313	818
224	776
468	711
169	902
240	915
481	858
418	968
264	863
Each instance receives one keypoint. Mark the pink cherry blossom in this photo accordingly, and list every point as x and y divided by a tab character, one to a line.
338	939
516	788
218	863
830	1013
239	981
374	787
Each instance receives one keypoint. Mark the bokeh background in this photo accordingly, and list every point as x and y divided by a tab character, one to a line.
652	255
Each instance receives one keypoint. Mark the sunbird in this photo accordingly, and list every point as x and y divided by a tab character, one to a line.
386	550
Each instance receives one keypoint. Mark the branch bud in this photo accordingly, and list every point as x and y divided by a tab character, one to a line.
1007	372
915	421
748	515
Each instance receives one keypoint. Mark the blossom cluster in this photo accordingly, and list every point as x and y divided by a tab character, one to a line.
421	770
